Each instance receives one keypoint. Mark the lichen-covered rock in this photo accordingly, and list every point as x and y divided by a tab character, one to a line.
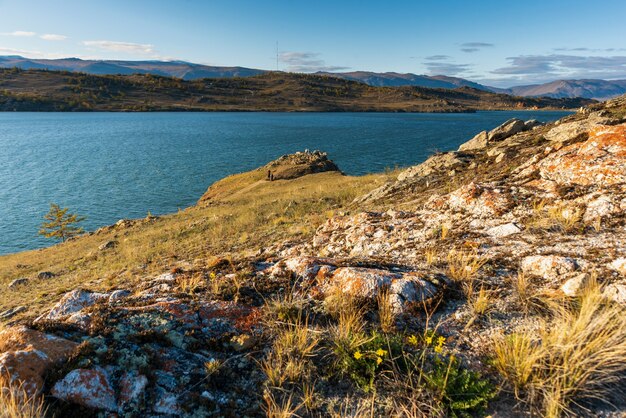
600	207
549	266
73	302
87	387
302	266
438	162
27	354
480	200
600	160
132	387
405	289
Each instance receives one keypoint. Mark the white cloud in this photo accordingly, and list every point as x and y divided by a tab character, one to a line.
53	37
20	52
115	46
19	33
306	62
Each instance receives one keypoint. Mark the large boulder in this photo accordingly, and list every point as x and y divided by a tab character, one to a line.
439	162
296	165
26	355
71	303
507	129
600	160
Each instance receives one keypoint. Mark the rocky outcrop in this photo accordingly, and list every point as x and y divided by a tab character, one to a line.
300	164
600	160
568	131
441	161
507	129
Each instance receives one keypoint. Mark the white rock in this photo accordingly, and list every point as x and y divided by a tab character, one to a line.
572	286
549	266
619	265
616	292
505	230
73	302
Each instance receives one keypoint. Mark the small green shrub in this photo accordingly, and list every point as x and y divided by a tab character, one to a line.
369	358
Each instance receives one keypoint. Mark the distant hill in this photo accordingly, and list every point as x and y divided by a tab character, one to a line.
392	79
180	69
591	89
38	90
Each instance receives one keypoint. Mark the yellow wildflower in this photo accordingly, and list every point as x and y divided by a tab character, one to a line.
441	340
379	360
429	340
438	349
380	352
358	355
412	340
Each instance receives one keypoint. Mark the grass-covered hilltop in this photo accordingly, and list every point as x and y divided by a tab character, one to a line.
485	281
40	90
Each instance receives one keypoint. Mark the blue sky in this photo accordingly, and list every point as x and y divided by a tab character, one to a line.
500	43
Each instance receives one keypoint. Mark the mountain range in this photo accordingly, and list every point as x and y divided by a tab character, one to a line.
586	88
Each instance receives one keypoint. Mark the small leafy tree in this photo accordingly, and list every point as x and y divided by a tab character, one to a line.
61	224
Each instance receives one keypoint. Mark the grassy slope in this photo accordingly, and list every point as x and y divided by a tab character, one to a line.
52	90
233	221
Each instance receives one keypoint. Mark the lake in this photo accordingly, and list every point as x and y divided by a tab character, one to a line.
109	166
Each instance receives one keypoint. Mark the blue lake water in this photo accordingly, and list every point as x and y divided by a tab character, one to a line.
109	166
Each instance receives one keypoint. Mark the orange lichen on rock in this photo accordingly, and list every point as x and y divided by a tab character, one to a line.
26	354
600	160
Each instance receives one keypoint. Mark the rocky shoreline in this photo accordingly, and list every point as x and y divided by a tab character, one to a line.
541	203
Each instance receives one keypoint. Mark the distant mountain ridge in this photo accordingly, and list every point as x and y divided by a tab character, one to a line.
588	88
180	69
591	89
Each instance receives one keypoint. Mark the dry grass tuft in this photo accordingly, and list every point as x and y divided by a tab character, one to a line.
283	407
386	314
289	357
561	217
463	266
481	302
579	355
431	256
190	284
16	403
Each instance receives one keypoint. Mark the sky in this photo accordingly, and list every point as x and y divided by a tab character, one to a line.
499	43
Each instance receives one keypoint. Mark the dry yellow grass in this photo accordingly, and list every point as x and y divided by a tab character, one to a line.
480	302
578	355
16	403
289	357
242	205
463	266
283	407
386	313
560	217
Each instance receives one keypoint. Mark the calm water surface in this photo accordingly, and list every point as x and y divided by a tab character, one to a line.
109	166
